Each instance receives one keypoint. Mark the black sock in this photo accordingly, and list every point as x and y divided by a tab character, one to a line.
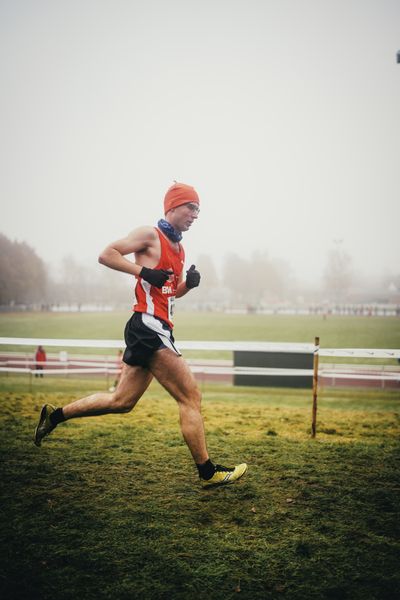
57	417
206	470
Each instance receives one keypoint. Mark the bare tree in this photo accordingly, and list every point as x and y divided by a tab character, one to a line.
23	278
257	280
338	274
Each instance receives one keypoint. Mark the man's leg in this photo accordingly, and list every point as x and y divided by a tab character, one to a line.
132	384
175	376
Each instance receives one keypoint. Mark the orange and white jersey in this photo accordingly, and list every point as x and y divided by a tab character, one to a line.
159	302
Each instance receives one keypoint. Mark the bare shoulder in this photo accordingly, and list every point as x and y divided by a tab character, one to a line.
138	240
144	233
143	238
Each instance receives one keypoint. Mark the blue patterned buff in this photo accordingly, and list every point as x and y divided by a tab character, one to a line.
170	232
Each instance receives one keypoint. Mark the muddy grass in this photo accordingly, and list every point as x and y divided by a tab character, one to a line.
110	507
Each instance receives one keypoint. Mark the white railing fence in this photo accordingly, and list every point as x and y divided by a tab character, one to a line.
108	365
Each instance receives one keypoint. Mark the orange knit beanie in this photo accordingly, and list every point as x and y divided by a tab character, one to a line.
178	194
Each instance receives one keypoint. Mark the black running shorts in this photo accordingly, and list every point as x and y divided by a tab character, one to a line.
144	335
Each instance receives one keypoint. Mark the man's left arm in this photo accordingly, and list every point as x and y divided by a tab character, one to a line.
192	280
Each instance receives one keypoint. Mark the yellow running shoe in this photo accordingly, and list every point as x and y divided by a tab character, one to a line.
223	475
44	427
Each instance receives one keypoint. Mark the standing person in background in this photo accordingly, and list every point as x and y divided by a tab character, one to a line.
150	346
118	365
40	361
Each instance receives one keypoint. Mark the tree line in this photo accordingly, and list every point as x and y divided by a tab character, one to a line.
25	279
251	282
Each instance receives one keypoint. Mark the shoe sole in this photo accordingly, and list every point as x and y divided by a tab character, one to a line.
222	483
42	418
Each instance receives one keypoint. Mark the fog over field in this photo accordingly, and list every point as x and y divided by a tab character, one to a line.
282	114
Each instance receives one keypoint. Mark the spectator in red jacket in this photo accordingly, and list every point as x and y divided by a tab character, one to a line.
40	359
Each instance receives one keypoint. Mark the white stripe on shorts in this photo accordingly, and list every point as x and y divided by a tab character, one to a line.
149	300
164	334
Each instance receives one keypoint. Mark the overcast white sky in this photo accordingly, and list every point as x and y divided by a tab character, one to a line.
284	115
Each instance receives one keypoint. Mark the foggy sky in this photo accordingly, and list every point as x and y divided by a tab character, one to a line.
283	114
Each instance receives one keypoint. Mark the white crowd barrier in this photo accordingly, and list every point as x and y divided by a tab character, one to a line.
210	346
107	366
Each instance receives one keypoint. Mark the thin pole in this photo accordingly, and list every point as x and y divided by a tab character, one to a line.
315	388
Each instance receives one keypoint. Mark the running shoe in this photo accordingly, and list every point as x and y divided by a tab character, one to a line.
44	427
224	475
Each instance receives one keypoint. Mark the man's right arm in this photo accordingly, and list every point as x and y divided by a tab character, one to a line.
143	240
139	240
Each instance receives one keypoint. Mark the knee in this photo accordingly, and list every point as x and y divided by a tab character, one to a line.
197	397
194	398
123	403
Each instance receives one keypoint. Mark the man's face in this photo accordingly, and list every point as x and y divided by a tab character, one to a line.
182	217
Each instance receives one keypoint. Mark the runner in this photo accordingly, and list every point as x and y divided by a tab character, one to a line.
150	346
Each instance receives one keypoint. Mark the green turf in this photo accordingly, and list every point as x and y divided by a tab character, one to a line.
110	507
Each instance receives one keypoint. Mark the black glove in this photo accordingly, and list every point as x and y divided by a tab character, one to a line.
192	278
156	277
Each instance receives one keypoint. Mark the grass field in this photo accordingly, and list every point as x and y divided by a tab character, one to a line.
334	332
110	507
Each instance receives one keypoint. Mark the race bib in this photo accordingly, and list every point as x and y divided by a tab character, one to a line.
171	307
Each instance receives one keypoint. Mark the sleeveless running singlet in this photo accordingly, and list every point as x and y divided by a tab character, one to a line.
159	302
